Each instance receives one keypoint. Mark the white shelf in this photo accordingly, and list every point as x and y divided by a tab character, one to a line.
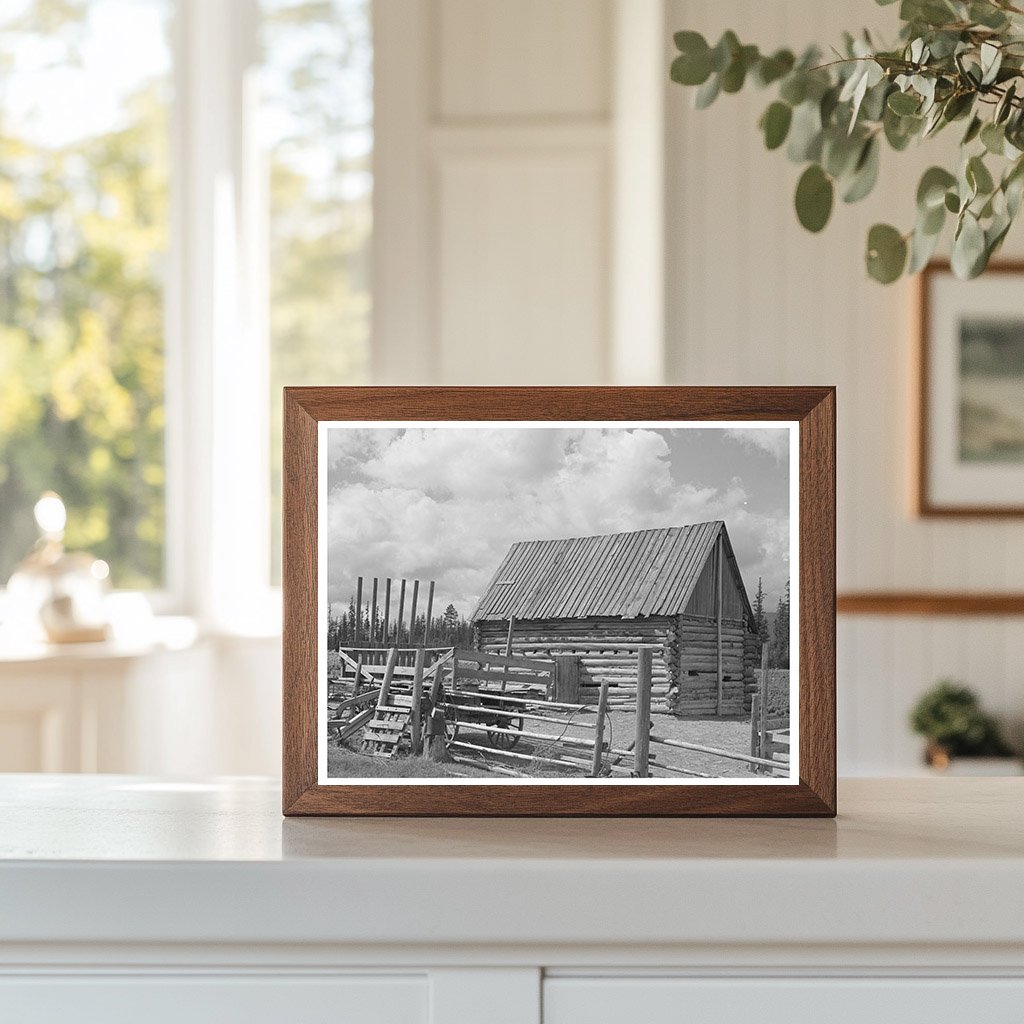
120	859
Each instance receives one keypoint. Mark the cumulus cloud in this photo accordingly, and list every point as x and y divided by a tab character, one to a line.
773	440
446	503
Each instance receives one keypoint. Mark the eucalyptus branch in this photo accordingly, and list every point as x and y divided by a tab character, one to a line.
955	61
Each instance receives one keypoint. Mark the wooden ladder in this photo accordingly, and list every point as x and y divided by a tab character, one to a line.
383	732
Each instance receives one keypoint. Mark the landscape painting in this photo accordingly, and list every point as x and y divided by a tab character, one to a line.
583	603
992	389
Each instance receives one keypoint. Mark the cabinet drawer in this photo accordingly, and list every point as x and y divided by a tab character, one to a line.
202	999
783	1001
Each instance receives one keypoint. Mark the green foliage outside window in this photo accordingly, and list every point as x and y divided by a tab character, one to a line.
83	216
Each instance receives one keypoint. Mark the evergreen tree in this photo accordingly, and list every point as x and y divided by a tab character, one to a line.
451	619
760	618
779	655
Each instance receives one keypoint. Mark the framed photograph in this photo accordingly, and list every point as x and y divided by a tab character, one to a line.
971	393
559	601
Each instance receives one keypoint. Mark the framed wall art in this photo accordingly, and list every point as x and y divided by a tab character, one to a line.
970	450
559	601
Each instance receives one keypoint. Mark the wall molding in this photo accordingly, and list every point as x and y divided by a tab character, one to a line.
929	603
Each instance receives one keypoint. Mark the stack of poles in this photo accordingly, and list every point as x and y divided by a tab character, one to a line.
382	631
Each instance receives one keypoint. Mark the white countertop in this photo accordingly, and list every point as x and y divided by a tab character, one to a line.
121	859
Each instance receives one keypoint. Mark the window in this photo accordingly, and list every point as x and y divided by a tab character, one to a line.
317	116
83	236
185	222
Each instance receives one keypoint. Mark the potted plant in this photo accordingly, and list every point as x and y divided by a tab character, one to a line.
950	717
956	62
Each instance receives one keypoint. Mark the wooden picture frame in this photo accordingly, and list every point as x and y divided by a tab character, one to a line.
936	478
809	414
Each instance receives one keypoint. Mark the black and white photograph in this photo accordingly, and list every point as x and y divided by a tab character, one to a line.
557	602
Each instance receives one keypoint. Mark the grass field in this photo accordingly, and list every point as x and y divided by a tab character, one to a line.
343	763
727	734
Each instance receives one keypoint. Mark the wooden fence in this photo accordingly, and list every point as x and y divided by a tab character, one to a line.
478	707
769	735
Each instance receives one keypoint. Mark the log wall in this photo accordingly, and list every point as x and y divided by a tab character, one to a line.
606	648
698	664
685	654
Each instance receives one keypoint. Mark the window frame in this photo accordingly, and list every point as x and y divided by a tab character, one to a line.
217	351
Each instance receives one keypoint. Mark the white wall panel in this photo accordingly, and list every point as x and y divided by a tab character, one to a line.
754	299
527	58
522	284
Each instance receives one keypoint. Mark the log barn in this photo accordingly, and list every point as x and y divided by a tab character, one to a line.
678	589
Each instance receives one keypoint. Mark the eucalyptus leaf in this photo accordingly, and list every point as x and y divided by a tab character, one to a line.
900	130
903	103
794	88
973	130
707	93
968	248
735	74
865	173
840	152
724	51
771	69
978	176
1005	105
814	196
886	253
931	191
991	61
993	138
691	70
922	247
987	15
932	221
805	133
958	105
775	124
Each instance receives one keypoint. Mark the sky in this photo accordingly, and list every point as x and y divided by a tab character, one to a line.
446	503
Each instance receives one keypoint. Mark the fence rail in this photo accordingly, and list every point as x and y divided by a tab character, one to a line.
463	694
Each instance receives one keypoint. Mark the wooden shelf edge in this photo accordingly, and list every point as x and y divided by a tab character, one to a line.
928	603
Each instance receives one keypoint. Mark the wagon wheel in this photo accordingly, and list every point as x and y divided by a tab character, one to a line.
502	740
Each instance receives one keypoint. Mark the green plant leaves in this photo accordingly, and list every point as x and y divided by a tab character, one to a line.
932	189
969	255
771	69
957	60
775	122
865	173
904	103
693	65
887	253
993	138
805	133
978	176
814	197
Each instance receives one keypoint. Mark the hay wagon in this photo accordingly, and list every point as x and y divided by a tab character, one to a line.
499	713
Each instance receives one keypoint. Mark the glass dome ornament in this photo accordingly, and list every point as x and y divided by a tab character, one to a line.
57	595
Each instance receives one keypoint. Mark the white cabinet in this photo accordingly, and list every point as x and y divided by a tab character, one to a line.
828	1000
101	707
199	999
126	899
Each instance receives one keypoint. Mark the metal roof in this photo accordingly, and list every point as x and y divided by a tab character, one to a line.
627	575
